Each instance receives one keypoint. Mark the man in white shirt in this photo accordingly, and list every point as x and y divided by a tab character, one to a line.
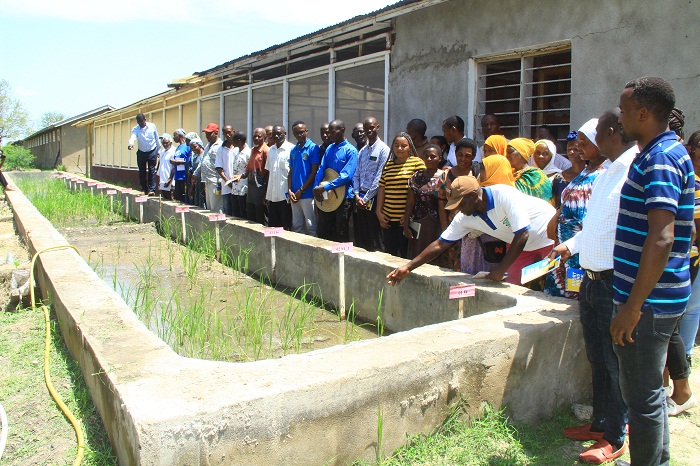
223	167
239	187
165	168
500	211
279	210
147	153
594	244
206	172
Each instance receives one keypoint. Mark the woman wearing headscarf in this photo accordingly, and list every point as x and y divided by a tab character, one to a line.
574	204
546	158
495	144
529	180
495	169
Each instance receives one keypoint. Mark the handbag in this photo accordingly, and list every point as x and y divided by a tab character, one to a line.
494	250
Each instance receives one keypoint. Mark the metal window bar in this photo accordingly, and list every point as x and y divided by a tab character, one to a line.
527	115
544	67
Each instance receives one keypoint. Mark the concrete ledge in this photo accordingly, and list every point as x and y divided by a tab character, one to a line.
319	407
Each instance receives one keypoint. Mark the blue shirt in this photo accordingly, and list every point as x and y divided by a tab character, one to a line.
301	160
341	157
183	152
660	177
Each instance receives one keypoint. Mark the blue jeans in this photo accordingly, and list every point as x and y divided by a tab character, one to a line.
596	311
226	203
691	318
641	380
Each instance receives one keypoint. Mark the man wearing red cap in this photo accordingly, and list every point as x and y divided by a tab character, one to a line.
208	175
500	211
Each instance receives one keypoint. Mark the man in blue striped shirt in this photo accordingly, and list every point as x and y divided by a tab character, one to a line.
651	282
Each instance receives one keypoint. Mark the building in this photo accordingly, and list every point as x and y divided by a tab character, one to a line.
544	63
64	144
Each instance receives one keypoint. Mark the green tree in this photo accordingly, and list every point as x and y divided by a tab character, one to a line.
18	158
14	119
49	118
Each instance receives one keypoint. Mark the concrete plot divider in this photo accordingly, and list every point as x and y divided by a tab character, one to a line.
319	407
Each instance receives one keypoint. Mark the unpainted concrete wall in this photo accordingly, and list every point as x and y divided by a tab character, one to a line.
314	408
611	43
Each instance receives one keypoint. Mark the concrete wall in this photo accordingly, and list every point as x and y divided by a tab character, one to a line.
160	408
611	43
73	155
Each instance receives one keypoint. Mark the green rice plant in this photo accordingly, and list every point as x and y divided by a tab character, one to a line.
380	434
190	261
146	270
63	207
297	319
380	322
166	227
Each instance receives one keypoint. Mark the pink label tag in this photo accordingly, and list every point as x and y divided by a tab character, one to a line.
101	186
341	247
462	291
80	182
181	209
217	217
111	191
273	231
126	191
74	179
140	199
92	183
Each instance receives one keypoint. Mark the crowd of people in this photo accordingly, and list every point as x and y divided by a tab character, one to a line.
618	201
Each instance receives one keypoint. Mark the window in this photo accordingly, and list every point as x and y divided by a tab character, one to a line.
236	112
267	106
210	112
525	93
359	93
308	101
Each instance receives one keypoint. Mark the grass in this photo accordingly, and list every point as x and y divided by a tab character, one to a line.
38	431
66	208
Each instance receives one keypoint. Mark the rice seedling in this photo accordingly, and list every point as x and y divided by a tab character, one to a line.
380	322
68	208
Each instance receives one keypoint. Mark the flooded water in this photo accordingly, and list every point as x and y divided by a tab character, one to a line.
203	309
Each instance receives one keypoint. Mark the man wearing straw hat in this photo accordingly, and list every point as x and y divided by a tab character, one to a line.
334	195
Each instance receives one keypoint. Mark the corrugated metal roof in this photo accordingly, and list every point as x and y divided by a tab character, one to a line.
310	35
67	121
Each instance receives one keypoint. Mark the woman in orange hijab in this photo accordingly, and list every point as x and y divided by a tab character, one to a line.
496	169
495	144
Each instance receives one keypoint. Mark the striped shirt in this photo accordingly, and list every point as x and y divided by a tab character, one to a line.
660	177
696	215
394	180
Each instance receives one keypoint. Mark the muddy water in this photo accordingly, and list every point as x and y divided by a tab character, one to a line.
201	308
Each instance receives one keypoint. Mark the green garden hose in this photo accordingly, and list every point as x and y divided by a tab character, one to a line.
47	354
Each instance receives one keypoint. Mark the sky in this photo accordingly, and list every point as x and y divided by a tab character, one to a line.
72	56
